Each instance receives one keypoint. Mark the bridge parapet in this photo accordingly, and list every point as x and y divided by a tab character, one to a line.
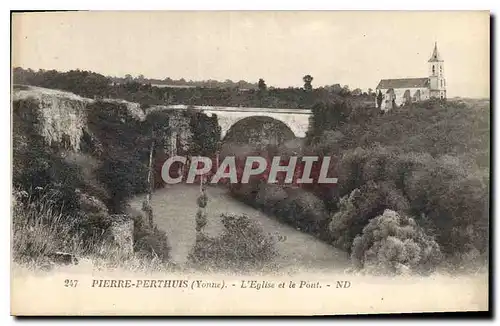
296	119
238	109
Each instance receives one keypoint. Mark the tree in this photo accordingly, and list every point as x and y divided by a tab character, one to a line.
395	243
380	97
357	92
262	91
206	134
201	215
336	88
307	82
146	205
345	90
123	178
327	116
158	125
262	85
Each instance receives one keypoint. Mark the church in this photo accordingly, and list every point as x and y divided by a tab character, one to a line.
396	92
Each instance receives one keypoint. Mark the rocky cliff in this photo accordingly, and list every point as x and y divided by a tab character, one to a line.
84	154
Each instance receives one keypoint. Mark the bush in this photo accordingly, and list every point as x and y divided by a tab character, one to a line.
304	210
150	242
35	166
350	170
123	179
242	246
270	196
361	205
246	192
394	243
295	206
457	203
451	195
327	116
206	134
119	128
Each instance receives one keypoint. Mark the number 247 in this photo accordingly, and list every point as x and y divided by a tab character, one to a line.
70	283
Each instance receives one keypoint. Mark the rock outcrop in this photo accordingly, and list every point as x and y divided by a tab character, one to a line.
61	118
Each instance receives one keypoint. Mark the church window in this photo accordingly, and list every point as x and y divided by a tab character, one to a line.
441	69
433	69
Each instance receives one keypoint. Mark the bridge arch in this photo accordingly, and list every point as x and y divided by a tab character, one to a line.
259	129
298	121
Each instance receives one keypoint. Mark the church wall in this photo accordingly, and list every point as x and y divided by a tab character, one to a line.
438	93
399	96
425	94
434	81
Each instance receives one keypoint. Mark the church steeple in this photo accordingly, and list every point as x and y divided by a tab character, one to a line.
435	57
437	81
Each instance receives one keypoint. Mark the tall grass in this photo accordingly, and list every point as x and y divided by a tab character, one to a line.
40	230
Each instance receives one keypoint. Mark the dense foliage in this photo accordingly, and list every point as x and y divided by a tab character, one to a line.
428	161
142	90
391	243
84	83
206	134
242	246
169	82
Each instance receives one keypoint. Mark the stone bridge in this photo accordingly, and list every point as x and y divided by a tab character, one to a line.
296	119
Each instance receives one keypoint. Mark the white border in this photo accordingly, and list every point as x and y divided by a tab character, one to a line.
252	5
179	5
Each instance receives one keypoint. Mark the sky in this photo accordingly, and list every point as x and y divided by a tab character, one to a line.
349	48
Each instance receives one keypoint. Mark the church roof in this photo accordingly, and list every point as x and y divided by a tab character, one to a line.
435	57
403	83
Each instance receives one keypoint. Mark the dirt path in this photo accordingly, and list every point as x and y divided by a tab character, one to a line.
175	209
